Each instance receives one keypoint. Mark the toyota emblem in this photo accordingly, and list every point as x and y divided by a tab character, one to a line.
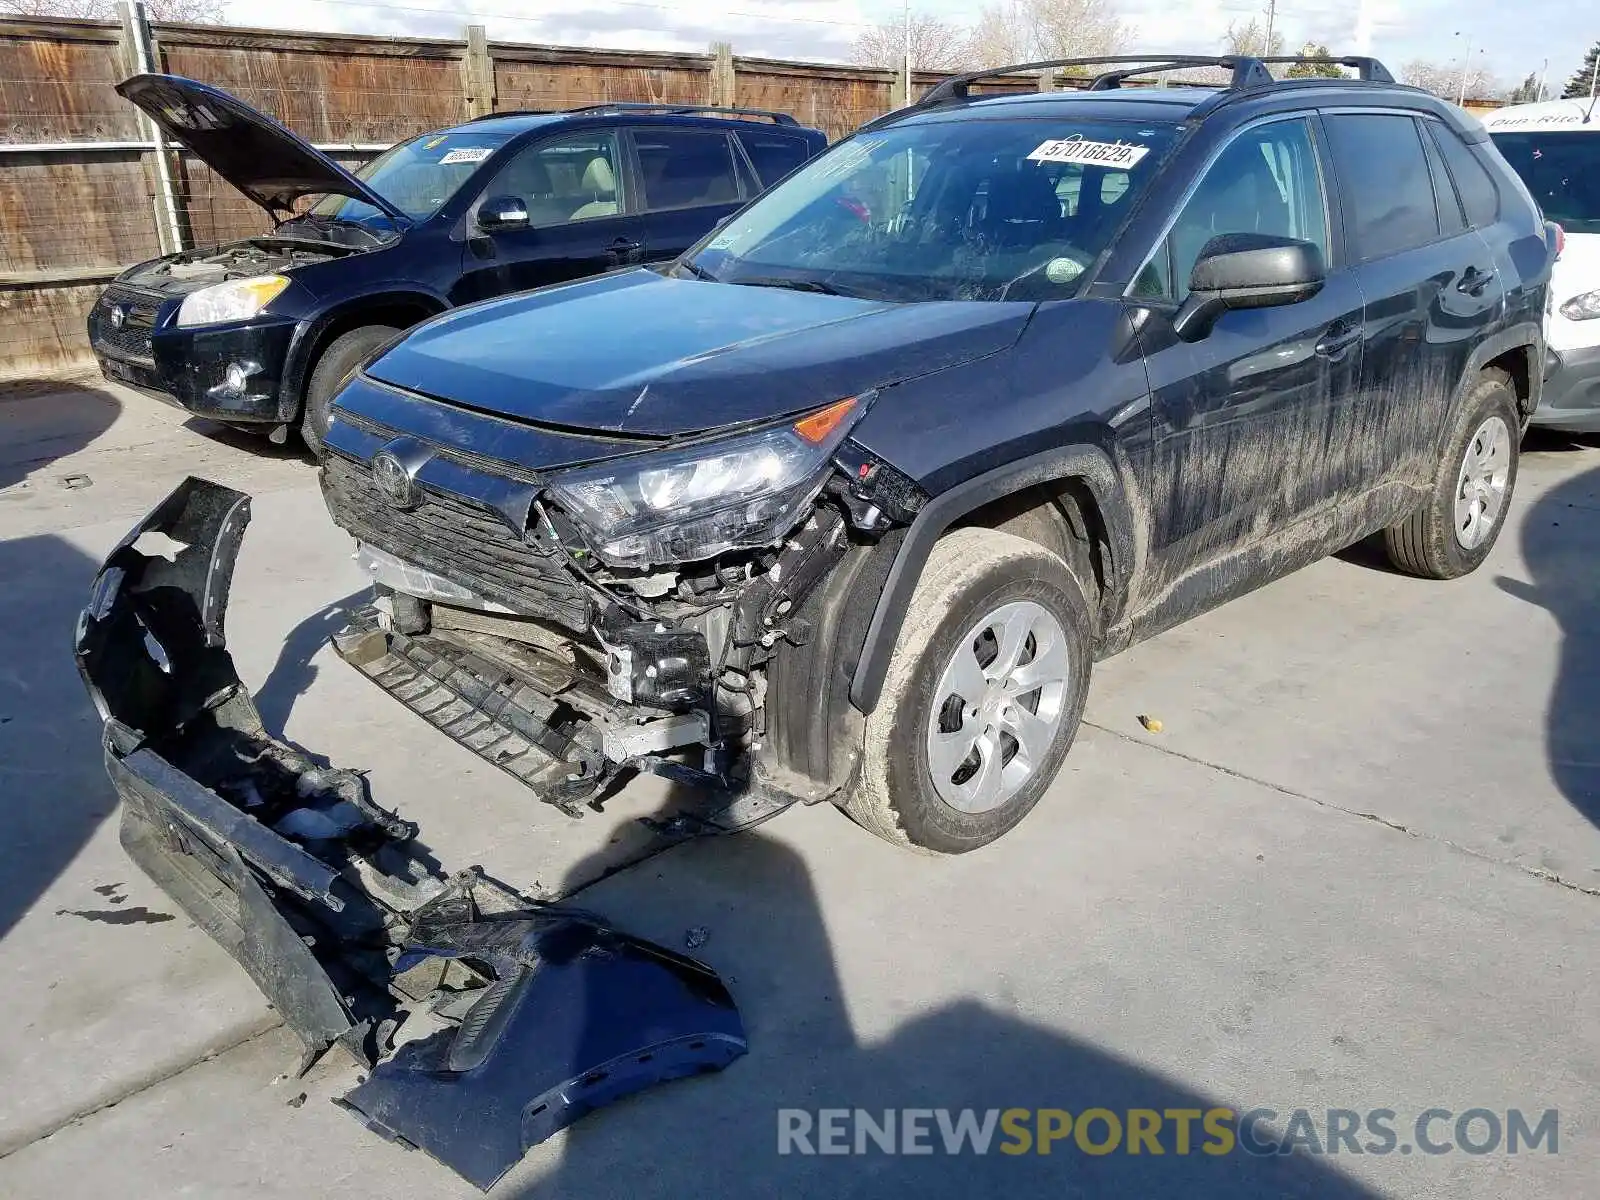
119	316
392	481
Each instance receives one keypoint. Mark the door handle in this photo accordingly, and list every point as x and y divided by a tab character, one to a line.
1473	281
1337	340
625	246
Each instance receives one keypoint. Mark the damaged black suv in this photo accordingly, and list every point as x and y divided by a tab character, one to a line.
840	506
846	501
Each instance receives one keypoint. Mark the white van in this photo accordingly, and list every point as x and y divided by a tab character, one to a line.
1555	147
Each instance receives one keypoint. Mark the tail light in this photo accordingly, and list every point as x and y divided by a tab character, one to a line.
1560	237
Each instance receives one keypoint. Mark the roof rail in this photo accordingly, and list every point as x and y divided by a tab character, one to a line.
510	112
1247	71
1111	80
777	118
1367	69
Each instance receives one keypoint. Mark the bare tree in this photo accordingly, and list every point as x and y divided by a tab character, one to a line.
1446	79
208	12
1251	38
935	45
1011	31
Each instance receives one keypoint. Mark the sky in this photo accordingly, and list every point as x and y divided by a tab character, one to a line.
1510	40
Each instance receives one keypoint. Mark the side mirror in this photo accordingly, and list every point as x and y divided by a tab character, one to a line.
1247	270
502	214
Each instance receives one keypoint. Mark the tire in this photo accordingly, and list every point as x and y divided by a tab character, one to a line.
973	579
337	363
1451	533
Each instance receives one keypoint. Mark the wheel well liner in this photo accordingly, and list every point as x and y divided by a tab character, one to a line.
1089	463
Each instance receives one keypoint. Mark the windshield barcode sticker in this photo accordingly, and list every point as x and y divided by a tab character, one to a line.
1078	149
466	154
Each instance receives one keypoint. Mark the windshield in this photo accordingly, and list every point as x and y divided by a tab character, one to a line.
417	177
1562	170
959	210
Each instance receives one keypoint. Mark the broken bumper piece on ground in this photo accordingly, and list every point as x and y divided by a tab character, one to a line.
490	1022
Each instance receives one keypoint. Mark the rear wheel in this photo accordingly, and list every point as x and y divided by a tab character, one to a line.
1456	527
983	696
338	362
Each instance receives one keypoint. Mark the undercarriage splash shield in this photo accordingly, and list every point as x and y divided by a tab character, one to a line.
577	1016
490	1021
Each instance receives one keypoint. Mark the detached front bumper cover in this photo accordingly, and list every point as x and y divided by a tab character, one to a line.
489	1022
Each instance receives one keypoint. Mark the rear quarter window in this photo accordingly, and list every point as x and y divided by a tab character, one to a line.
774	154
1479	195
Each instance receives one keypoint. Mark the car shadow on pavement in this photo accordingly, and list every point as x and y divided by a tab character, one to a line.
294	670
751	899
42	420
1560	543
251	441
53	787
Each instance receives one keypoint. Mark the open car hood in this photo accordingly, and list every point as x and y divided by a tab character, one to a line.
639	353
489	1021
269	164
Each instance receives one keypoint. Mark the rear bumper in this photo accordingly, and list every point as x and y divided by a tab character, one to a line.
189	368
490	1021
1571	396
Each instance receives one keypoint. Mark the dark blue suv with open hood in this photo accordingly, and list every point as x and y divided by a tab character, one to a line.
846	500
262	331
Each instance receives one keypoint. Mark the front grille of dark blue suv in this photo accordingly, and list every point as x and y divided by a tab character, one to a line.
467	544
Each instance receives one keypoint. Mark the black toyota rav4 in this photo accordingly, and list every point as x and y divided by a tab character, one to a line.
841	505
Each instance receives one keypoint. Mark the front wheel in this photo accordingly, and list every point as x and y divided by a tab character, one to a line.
982	699
337	363
1452	532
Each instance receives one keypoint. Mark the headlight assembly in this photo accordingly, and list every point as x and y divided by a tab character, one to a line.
236	300
1585	307
693	502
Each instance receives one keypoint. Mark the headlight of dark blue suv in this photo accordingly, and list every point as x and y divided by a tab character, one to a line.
697	501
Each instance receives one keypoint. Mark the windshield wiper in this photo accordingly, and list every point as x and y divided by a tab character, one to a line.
794	285
698	272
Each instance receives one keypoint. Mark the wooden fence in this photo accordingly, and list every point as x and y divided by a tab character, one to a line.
83	188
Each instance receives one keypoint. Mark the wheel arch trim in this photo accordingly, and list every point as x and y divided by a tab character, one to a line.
1086	462
309	333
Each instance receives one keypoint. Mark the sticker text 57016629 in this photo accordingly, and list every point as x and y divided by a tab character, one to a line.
1079	149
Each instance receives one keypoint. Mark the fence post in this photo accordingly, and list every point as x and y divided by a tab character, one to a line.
724	85
136	46
477	73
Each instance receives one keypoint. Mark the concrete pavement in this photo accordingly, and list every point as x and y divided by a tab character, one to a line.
1359	868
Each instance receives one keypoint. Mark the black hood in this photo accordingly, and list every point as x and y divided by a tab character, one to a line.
637	353
249	149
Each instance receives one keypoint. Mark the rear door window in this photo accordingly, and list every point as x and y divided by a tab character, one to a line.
686	168
774	154
1384	180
